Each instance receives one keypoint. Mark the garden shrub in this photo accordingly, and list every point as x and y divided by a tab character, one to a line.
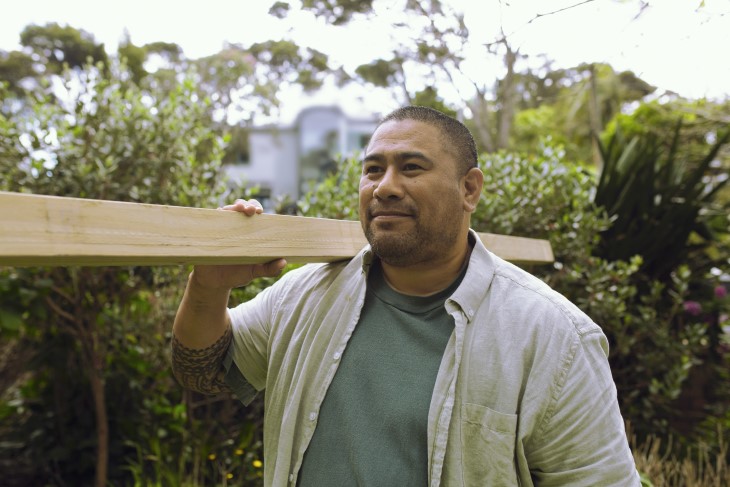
96	382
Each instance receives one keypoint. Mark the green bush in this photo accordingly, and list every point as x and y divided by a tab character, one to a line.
657	199
662	187
96	387
541	196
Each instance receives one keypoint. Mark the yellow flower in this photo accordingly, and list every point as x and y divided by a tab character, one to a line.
238	452
257	464
211	456
229	476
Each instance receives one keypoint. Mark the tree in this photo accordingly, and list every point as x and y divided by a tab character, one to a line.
385	74
134	57
435	49
241	82
57	46
48	50
336	12
573	105
112	142
428	97
15	67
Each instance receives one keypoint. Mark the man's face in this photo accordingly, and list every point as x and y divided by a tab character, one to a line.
411	197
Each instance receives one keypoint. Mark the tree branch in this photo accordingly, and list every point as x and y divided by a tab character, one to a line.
537	16
71	319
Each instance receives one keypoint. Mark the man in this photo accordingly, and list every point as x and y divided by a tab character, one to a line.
424	360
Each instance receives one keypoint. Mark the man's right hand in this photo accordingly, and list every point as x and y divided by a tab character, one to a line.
202	331
226	277
202	317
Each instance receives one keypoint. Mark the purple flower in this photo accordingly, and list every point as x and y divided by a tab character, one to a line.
693	307
720	291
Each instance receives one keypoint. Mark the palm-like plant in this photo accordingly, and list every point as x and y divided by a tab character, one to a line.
656	200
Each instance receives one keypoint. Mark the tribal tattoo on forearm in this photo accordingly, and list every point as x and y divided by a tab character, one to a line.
201	369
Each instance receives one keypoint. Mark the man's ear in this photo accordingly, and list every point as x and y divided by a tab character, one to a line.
472	187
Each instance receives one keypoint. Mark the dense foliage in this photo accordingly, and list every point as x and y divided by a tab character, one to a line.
93	384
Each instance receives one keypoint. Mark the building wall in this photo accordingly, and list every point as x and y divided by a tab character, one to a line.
272	165
286	160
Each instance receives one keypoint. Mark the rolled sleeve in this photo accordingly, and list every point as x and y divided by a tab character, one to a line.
251	326
241	388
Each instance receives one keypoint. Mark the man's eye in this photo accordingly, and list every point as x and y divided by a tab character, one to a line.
412	167
371	169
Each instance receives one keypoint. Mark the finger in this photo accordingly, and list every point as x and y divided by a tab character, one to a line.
249	208
252	207
232	207
270	269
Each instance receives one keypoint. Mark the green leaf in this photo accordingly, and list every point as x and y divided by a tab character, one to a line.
10	320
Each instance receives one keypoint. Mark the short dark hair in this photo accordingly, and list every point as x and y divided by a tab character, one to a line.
454	132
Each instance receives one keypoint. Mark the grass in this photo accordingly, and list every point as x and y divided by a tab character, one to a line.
701	465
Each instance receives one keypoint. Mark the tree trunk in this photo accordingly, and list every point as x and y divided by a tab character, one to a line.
594	119
96	379
508	92
481	121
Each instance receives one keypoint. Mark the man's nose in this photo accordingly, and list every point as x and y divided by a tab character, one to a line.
390	185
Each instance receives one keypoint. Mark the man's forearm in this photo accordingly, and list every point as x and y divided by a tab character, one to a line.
201	337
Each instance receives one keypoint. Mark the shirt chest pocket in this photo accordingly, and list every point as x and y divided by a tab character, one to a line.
488	446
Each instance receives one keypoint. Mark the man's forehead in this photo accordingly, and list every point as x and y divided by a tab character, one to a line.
408	138
406	124
404	131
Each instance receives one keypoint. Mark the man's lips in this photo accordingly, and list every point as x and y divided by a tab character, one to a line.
387	214
380	214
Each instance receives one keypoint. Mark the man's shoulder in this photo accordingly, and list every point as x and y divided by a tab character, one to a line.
516	278
536	296
314	276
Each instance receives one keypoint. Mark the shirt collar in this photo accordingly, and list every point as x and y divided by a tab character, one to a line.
366	257
475	285
470	294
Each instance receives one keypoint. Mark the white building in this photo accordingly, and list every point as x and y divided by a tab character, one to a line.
285	160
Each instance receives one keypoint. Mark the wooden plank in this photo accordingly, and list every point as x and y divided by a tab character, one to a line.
40	230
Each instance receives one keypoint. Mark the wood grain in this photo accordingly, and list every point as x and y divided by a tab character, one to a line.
38	230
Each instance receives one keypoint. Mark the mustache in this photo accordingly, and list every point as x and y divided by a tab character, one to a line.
400	208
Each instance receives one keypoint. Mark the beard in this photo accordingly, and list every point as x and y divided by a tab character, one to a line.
421	243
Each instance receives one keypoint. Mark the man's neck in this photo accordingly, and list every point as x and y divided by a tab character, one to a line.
430	277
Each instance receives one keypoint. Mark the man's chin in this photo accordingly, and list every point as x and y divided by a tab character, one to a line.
387	236
392	248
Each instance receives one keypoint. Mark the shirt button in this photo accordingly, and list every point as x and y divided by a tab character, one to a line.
312	416
337	355
291	477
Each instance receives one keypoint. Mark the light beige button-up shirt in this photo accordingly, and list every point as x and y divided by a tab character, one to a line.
524	394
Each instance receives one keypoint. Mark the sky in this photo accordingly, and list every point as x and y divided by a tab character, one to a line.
676	45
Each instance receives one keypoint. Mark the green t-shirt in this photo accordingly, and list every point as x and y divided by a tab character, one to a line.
372	424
